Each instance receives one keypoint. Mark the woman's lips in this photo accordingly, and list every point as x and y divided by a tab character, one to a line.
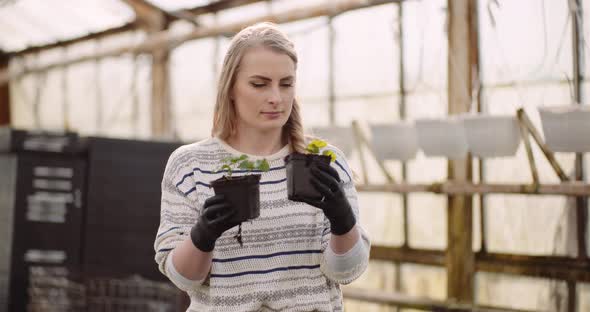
271	115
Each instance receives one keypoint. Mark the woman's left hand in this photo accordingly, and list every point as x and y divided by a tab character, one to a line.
334	204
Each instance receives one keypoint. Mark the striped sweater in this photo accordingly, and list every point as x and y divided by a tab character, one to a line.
285	263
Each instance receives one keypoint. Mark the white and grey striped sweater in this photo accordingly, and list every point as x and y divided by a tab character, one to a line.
285	263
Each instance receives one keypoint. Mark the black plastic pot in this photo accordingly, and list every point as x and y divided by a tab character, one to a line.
243	193
299	174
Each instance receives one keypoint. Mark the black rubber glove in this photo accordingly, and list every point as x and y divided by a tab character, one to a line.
214	220
334	203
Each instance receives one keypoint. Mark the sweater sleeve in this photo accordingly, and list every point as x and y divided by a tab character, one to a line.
179	209
180	281
345	268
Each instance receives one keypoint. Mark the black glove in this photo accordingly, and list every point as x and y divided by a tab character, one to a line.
214	220
336	207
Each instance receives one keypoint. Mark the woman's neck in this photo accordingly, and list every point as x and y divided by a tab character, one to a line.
257	143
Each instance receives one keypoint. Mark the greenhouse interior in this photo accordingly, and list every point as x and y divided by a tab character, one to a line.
458	133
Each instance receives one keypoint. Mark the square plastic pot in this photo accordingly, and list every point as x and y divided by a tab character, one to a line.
492	136
243	193
341	137
298	168
442	137
397	141
566	128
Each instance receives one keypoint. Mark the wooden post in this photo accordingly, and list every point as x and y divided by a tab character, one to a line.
480	161
99	119
402	115
571	296
331	85
4	95
462	55
524	132
154	21
161	110
578	57
580	218
402	112
64	90
359	146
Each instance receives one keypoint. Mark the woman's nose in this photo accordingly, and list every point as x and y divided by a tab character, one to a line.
275	96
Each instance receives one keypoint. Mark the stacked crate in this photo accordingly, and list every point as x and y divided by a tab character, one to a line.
124	179
83	207
41	208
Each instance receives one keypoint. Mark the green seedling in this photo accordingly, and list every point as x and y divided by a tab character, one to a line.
316	146
232	163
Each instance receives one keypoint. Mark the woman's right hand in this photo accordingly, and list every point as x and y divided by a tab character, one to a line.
214	220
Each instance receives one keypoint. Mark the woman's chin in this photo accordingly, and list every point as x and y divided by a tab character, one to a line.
268	125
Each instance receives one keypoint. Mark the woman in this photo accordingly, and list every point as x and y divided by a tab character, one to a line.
295	255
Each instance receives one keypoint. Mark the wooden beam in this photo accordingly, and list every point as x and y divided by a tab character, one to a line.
573	188
169	40
69	42
4	95
359	146
147	15
173	15
405	254
549	267
420	303
145	9
217	6
460	261
396	299
524	132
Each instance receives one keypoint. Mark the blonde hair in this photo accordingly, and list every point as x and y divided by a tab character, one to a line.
224	117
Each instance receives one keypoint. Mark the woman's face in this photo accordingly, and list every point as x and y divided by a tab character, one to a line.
264	90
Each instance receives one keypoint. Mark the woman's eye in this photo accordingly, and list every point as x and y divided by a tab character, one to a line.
258	85
287	85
